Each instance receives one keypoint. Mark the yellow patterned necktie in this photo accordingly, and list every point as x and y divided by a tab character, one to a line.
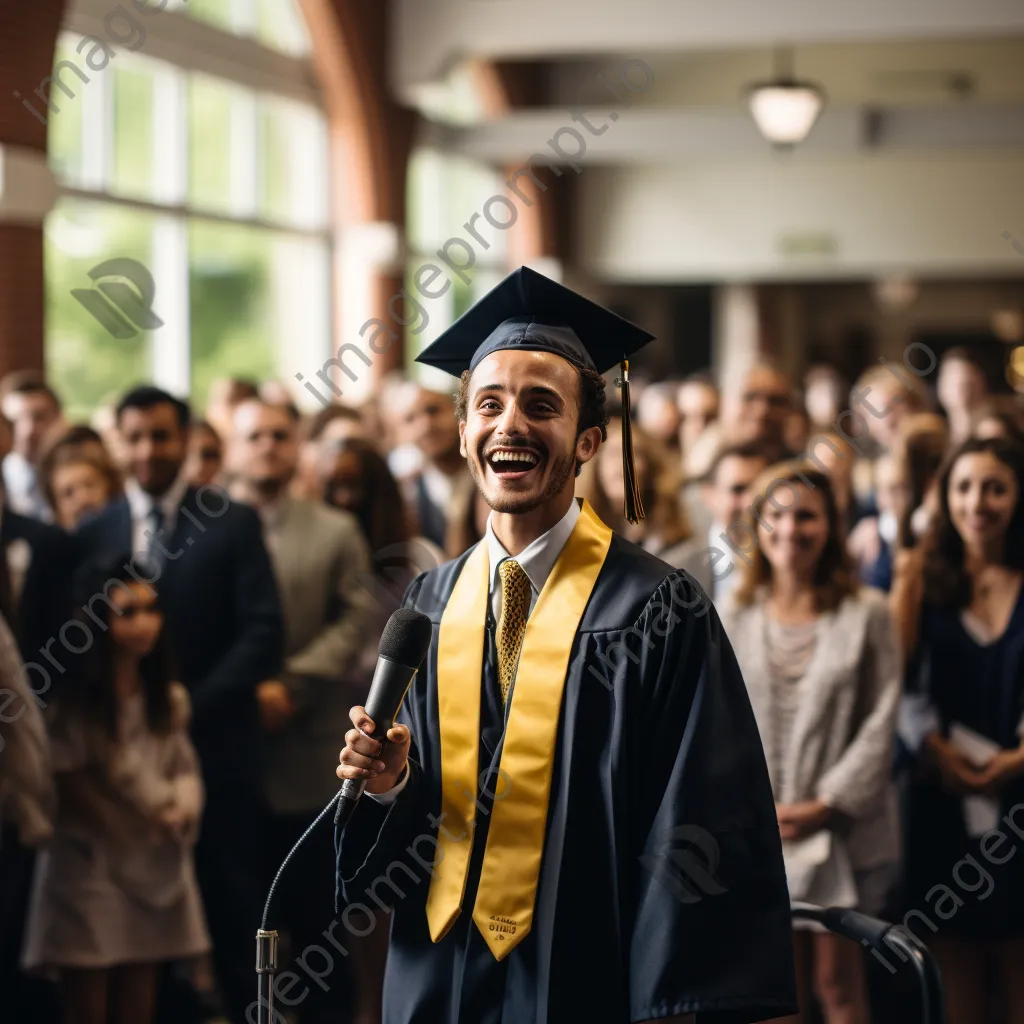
515	607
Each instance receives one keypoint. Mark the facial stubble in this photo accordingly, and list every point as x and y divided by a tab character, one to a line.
562	468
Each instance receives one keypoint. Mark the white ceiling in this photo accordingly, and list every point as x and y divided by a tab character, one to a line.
915	164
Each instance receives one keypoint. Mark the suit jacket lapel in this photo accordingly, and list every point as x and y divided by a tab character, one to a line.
121	533
183	527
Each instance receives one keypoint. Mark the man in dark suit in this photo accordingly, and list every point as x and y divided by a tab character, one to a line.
207	560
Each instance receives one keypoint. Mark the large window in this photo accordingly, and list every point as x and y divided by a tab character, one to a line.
445	192
86	362
212	180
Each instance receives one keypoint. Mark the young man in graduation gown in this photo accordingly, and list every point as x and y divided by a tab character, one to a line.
572	819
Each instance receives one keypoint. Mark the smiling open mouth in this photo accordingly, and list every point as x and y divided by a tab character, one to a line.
512	461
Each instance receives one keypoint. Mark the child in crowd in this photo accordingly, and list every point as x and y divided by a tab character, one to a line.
115	893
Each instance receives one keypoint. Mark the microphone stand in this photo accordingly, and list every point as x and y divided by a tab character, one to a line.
406	638
873	934
267	938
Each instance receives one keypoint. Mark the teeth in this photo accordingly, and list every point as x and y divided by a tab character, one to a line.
527	457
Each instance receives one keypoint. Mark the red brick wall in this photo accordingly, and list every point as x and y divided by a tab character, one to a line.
371	135
28	35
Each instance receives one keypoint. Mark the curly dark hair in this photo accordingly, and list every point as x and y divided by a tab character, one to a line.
945	577
592	399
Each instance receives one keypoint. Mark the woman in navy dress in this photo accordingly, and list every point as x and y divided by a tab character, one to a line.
960	609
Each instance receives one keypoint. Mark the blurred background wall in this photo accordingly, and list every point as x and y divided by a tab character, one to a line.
284	168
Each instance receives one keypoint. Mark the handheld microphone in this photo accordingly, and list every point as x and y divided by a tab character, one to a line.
403	646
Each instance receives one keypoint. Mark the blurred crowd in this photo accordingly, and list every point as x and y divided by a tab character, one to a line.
191	605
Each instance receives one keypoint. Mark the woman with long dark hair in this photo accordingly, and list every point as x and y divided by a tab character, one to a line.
960	608
819	658
355	477
115	894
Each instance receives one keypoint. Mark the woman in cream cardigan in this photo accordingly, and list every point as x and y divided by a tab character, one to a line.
819	658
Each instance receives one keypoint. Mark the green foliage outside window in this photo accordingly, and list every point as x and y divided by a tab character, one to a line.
235	279
86	365
229	303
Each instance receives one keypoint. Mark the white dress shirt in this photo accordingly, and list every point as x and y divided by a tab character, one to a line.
23	490
18	557
439	486
272	516
140	504
537	560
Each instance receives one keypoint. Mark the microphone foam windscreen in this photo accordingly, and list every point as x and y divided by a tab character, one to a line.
406	637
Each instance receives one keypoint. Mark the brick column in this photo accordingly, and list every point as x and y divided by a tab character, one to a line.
27	44
536	238
371	137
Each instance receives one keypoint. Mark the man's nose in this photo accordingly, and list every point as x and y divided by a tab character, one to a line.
513	421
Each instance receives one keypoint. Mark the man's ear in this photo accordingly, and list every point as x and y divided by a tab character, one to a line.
462	439
587	444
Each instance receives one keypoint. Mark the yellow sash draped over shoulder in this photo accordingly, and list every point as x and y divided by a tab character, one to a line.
515	840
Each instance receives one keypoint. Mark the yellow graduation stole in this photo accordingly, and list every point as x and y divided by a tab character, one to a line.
515	840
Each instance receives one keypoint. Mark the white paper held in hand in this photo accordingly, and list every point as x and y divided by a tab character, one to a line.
981	813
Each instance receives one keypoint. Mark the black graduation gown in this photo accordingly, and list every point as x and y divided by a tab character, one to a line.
662	887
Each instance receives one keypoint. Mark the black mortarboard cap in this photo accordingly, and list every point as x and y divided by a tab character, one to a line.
531	312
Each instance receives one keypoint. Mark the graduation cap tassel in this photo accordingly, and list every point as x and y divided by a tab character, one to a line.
633	506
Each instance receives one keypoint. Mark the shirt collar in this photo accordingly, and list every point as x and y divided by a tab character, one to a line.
539	556
16	463
272	513
141	503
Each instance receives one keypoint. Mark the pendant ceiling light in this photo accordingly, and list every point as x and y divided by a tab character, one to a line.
785	109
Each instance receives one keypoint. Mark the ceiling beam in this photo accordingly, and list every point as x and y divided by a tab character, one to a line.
430	36
651	135
171	35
